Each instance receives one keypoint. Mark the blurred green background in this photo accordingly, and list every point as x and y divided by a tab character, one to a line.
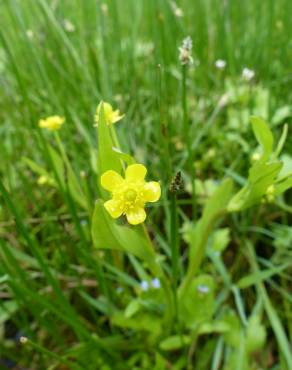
62	57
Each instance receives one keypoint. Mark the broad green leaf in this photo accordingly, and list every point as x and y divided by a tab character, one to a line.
140	322
282	186
263	135
175	342
261	176
213	327
281	114
286	170
196	306
220	240
199	234
107	234
232	336
133	307
255	334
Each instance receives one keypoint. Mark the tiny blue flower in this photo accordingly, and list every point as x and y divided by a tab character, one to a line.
155	283
144	285
203	289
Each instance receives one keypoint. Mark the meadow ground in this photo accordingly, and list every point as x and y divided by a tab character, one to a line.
203	89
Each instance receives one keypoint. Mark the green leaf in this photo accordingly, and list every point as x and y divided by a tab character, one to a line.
7	309
261	176
175	342
106	234
199	235
213	327
197	304
35	167
258	276
75	188
282	186
58	164
255	334
124	156
232	336
133	307
281	114
140	322
220	240
263	135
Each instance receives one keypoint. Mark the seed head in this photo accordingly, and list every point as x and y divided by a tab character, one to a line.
185	51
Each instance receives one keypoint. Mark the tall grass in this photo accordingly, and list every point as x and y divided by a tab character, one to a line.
63	57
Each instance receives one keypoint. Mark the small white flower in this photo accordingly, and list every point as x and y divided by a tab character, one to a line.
104	8
176	10
144	285
185	51
256	156
29	34
23	340
155	283
247	74
69	27
203	289
223	100
220	64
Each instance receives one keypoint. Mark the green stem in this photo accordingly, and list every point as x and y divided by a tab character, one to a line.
62	149
187	138
174	241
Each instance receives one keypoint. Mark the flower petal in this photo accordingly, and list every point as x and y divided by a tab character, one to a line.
117	116
110	180
136	172
151	191
114	208
136	216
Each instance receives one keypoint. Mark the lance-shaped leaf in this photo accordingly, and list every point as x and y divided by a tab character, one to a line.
263	135
261	177
106	234
199	233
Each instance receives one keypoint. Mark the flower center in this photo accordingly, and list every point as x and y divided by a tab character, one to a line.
130	195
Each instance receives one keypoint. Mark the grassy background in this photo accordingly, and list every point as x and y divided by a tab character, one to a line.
62	57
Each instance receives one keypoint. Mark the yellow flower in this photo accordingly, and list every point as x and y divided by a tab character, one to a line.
52	123
130	194
42	180
111	116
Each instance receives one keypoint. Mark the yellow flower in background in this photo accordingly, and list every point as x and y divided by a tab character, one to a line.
52	123
42	180
130	194
111	116
45	180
